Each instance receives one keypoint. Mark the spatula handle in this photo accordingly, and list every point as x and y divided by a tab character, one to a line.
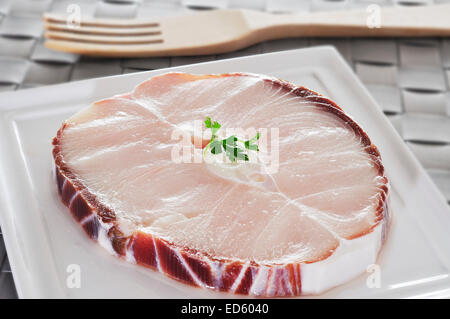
433	20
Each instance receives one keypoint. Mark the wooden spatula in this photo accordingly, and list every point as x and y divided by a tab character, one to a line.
219	31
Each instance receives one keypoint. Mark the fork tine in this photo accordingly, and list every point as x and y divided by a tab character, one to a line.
97	22
108	50
87	38
59	27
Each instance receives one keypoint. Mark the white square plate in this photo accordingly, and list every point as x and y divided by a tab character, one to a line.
43	240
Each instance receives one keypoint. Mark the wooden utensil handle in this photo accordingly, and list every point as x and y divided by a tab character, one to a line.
433	20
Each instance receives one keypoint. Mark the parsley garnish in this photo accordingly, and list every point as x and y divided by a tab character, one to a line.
229	145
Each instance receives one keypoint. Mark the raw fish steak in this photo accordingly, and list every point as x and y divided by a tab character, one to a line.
316	221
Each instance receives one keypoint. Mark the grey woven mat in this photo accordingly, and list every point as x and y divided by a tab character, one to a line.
408	77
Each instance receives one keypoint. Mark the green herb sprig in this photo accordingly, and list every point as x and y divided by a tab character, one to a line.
230	144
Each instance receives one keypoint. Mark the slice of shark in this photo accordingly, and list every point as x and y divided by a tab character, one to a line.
314	219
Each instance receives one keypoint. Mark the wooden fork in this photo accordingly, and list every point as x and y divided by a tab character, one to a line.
219	31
